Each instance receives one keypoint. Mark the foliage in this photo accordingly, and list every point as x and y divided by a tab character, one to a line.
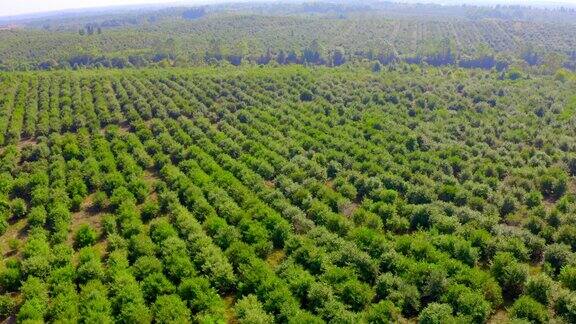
170	309
436	313
529	309
249	310
85	236
415	193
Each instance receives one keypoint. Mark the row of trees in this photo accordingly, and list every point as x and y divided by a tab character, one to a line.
308	56
338	196
166	39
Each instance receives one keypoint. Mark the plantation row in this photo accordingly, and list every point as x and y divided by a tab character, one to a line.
260	195
245	37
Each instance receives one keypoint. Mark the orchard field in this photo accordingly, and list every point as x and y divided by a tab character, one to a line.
328	33
293	194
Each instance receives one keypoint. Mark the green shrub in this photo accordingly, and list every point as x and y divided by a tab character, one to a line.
170	309
150	210
127	300
37	216
18	207
509	273
3	224
94	306
145	266
10	275
529	309
85	236
557	256
468	303
436	313
553	183
201	297
89	265
540	288
7	305
306	96
156	284
100	200
382	312
565	306
109	225
405	296
356	294
568	277
33	310
250	311
121	195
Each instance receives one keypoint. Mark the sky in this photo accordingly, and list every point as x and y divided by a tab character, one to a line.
17	7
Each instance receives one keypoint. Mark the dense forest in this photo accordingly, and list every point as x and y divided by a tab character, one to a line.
310	34
343	162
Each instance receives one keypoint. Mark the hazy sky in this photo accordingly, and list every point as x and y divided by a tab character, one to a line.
16	7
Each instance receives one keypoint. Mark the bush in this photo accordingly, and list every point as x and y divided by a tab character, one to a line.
18	207
7	306
533	199
36	257
64	305
250	311
33	310
139	188
565	306
10	275
170	309
141	245
35	306
127	300
557	256
404	295
319	294
121	195
436	313
566	234
76	203
529	309
553	183
420	195
89	265
509	273
94	304
201	297
568	277
540	288
150	210
3	224
161	229
100	201
356	294
447	192
112	181
109	226
421	217
145	266
468	303
514	74
382	312
155	285
430	279
85	236
306	96
37	216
